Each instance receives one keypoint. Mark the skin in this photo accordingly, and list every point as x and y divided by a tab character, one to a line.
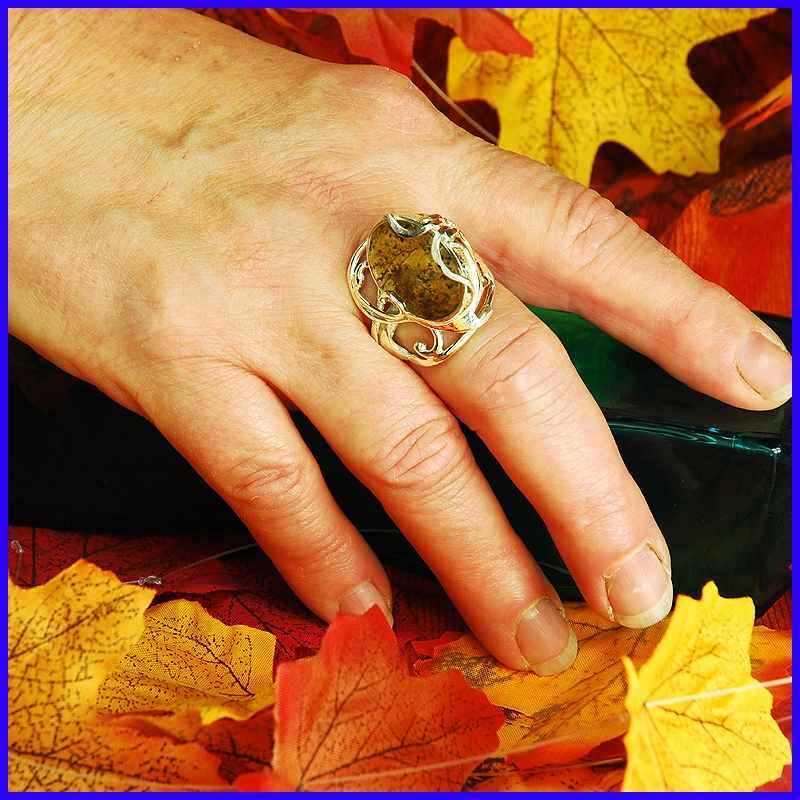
184	203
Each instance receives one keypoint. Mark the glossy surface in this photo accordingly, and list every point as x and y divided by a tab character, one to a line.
717	478
405	268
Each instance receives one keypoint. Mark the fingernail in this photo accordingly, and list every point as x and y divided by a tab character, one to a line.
362	598
639	590
546	641
764	366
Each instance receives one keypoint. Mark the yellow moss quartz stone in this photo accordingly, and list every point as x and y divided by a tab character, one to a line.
405	268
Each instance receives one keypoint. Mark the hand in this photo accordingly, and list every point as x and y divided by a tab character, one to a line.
184	203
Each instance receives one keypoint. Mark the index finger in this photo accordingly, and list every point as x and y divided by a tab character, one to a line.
560	245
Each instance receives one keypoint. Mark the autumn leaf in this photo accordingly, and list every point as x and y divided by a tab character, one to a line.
563	716
179	562
602	75
98	759
186	659
352	718
714	742
782	714
586	776
245	590
771	657
386	35
772	102
242	745
742	219
600	770
64	637
263	600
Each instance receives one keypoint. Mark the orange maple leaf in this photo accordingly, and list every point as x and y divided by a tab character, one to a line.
584	775
352	718
771	658
386	35
242	745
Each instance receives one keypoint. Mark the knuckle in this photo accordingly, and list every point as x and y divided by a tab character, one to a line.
586	224
279	482
692	313
337	171
603	510
423	457
390	100
526	373
317	555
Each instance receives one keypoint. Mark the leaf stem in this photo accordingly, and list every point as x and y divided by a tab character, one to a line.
717	693
424	75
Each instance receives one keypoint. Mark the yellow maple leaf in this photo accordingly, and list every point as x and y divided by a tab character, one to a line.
63	639
587	699
600	75
707	740
187	660
561	717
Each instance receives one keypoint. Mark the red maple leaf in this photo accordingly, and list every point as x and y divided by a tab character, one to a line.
352	718
386	35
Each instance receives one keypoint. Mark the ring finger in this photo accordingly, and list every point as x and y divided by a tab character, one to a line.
514	384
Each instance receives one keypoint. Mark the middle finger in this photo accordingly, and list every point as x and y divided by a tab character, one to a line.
400	439
514	384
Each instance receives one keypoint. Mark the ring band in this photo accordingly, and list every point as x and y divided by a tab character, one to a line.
422	270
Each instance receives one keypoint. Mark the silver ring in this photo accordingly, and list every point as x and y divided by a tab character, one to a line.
421	269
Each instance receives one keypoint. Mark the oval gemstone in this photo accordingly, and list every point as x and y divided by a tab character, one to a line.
405	268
